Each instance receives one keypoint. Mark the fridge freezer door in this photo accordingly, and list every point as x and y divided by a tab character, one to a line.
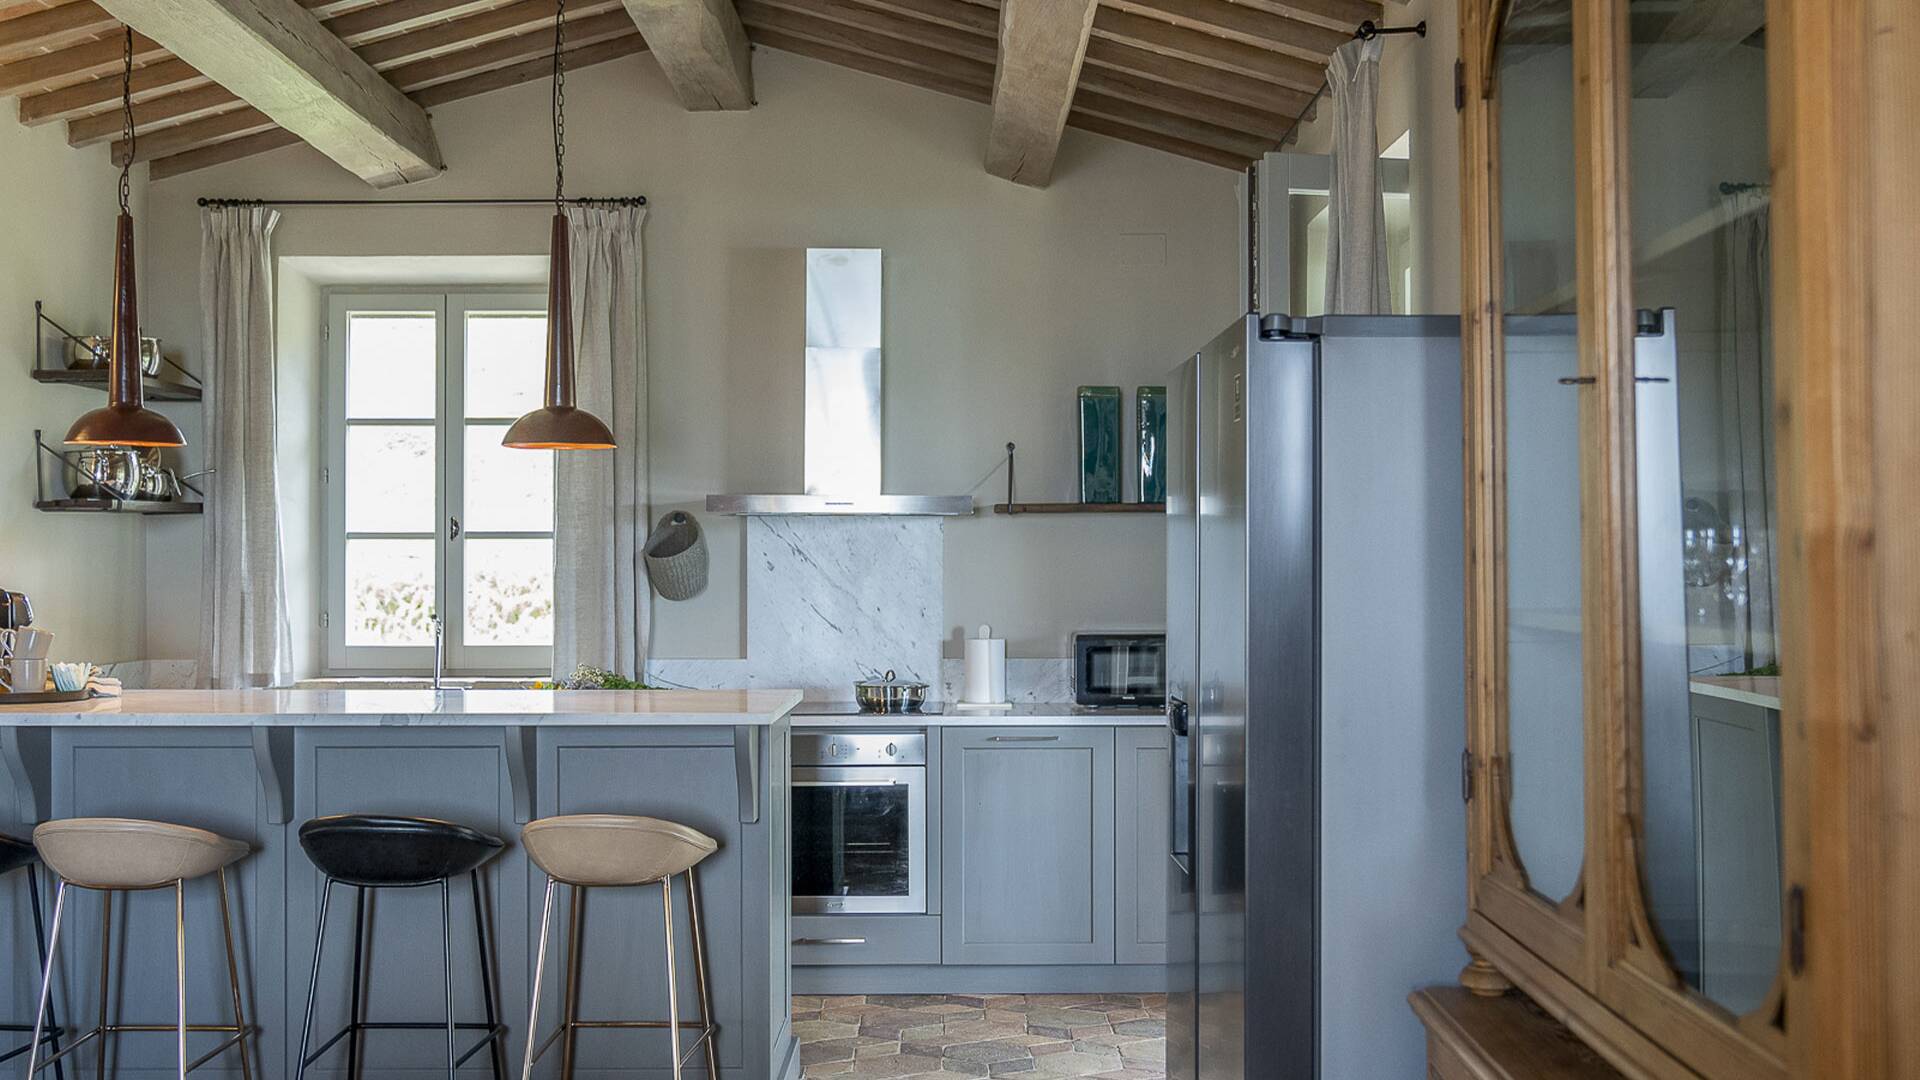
1183	643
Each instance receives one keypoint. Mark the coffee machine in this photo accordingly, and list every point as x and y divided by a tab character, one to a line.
15	610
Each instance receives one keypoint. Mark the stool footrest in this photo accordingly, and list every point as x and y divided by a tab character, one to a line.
707	1031
234	1034
493	1032
48	1035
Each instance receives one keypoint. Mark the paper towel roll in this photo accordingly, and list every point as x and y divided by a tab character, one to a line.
986	669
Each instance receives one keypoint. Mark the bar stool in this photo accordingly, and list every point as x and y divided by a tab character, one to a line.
370	852
123	855
613	850
16	854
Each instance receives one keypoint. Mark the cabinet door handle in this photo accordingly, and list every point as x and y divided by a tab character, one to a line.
1023	738
829	941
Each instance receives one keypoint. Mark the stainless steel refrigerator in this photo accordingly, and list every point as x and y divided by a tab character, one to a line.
1316	695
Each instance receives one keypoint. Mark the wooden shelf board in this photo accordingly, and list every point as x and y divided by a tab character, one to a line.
157	389
117	506
1079	508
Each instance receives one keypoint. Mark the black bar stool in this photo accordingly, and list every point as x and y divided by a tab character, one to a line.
16	854
369	852
128	855
587	851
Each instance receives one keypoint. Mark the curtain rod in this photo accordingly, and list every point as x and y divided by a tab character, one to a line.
615	200
1366	31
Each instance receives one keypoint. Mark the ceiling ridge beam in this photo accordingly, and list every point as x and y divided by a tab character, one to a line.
1042	45
702	49
276	55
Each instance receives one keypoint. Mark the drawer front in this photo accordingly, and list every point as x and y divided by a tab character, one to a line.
866	939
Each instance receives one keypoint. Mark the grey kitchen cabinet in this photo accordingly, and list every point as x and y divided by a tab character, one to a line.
1142	803
866	939
1028	845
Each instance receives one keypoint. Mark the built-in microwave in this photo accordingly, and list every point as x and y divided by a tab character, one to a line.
1112	669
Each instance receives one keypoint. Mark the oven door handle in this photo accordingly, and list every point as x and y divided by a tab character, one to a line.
889	782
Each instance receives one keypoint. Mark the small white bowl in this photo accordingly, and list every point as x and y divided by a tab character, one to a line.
69	677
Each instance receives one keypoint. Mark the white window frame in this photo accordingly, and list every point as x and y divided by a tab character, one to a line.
450	308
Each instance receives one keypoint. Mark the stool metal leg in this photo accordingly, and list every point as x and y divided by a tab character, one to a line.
570	999
708	1031
106	972
673	980
496	1052
539	976
355	1005
446	967
180	969
233	978
313	981
40	944
46	980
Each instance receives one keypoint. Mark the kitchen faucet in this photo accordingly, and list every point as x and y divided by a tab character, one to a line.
439	648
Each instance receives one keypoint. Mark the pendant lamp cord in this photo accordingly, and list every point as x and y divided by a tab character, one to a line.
559	105
126	111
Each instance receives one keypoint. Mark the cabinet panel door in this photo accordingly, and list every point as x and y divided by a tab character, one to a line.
1028	846
1142	806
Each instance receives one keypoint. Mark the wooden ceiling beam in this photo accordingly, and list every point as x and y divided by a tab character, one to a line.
278	57
702	49
1237	22
1127	133
1134	62
1042	45
160	76
1174	125
957	14
866	17
1203	48
50	71
584	56
53	28
791	23
1168	98
1338	14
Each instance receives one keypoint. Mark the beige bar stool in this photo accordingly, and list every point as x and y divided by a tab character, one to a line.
614	850
111	855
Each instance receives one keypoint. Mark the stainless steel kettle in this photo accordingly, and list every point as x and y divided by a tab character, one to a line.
15	611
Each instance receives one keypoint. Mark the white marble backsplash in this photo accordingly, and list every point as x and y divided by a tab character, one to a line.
831	600
1048	681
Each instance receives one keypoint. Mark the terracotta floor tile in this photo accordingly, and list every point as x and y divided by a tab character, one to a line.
947	1037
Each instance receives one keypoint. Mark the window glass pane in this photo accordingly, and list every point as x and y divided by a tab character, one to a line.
506	363
391	363
390	478
506	490
509	592
1703	417
1543	541
389	592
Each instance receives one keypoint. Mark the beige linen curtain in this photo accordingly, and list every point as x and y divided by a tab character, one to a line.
602	602
1356	216
244	637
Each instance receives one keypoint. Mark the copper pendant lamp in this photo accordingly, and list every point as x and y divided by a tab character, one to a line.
559	424
125	420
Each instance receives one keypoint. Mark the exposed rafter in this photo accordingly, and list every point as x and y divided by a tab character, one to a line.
276	55
1042	44
701	47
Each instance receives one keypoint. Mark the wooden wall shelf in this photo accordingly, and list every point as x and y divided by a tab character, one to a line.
156	389
1079	508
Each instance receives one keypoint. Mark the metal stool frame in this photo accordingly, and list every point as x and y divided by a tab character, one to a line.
54	1030
236	1032
496	1032
570	1022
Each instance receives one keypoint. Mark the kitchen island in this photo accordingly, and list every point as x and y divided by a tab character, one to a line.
255	764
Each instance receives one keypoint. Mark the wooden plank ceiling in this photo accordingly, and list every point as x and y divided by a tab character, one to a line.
1218	81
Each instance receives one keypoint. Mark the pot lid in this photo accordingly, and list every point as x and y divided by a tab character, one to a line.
889	682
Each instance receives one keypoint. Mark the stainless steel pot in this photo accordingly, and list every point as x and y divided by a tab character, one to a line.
889	694
91	353
103	472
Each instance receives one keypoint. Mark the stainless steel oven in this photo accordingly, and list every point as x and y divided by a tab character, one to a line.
859	822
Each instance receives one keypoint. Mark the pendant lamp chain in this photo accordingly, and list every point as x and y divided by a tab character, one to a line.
559	105
126	114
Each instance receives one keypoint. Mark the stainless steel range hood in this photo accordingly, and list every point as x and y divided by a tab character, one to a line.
841	466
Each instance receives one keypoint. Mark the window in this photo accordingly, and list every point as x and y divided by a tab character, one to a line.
427	514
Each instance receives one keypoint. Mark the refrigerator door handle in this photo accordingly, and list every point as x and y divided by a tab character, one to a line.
1180	781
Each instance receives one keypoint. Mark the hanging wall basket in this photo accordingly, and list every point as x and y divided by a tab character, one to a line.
676	556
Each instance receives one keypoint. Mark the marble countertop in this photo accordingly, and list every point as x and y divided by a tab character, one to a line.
1761	690
412	708
1035	714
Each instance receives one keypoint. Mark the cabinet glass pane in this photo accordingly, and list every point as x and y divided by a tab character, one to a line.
1544	717
392	365
1707	499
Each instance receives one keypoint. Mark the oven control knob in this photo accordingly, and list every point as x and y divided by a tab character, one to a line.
892	750
833	749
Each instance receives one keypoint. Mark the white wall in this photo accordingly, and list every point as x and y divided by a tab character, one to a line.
1001	300
83	571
